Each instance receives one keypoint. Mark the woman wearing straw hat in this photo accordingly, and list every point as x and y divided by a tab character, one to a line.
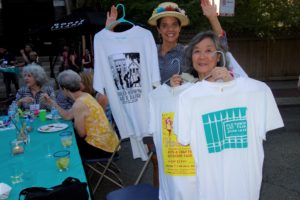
169	18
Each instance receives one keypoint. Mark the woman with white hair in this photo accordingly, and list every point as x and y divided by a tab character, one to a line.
36	86
96	138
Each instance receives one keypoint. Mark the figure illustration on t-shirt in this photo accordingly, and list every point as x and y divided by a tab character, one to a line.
125	68
169	124
178	159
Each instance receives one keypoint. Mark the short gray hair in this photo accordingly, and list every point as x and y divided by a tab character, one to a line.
37	72
69	80
195	40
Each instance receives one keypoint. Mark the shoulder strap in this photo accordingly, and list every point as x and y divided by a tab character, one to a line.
70	180
25	191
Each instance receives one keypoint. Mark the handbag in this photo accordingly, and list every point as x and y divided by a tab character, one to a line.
71	188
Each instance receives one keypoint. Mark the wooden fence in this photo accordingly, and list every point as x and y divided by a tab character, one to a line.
265	59
268	59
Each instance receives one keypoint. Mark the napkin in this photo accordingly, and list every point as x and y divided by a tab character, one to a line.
4	190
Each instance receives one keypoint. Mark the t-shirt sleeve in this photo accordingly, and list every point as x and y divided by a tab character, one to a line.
155	74
183	119
273	117
151	127
98	74
235	67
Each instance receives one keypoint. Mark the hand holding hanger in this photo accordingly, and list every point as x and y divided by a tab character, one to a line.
111	21
111	18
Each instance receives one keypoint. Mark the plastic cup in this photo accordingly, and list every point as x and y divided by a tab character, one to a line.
42	115
55	114
62	160
16	173
66	138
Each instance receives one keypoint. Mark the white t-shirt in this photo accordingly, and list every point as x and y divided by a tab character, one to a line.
177	173
126	66
235	67
225	124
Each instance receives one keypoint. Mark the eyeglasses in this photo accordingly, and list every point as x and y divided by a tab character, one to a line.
210	54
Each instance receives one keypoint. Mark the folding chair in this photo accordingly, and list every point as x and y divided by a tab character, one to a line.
105	168
149	142
138	191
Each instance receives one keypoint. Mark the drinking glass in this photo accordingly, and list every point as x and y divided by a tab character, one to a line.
16	173
66	138
62	160
42	115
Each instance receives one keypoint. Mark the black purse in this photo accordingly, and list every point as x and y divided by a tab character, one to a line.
71	188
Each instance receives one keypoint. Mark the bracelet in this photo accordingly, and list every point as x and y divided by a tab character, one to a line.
222	34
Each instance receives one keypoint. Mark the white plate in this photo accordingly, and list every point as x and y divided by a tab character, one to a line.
49	116
49	128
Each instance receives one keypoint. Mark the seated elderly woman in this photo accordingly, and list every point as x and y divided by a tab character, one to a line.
96	137
35	79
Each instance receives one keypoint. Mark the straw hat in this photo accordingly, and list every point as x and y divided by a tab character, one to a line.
168	9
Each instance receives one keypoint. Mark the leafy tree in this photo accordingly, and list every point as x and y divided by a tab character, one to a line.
262	18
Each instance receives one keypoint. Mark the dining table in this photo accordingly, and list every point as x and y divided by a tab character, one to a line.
10	69
36	165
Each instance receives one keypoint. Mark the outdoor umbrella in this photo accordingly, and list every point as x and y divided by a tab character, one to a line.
81	21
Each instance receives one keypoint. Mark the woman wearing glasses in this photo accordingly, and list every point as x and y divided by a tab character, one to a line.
169	18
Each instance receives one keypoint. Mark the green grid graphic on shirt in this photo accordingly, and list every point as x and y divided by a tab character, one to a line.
226	129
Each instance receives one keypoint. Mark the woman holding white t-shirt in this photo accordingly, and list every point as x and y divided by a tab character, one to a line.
205	53
169	18
224	123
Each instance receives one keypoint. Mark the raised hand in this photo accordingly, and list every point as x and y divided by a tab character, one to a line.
111	17
209	9
46	99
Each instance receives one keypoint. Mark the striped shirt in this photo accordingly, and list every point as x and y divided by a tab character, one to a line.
26	92
63	101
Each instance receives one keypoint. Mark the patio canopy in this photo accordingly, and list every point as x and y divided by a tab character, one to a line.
81	21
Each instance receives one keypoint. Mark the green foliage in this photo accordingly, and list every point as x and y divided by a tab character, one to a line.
252	17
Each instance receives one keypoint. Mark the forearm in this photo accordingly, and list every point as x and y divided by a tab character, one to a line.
19	102
210	11
215	25
25	58
217	28
80	128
